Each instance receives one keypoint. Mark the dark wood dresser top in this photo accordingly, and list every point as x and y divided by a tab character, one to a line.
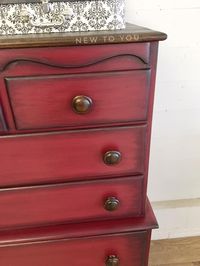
131	34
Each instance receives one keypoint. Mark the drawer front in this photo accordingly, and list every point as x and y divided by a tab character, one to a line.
130	249
86	58
72	202
79	100
72	155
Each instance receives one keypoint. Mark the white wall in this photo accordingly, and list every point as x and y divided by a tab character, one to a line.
175	150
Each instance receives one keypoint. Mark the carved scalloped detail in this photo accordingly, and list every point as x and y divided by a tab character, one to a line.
88	64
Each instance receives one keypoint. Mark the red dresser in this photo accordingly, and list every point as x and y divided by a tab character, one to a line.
75	126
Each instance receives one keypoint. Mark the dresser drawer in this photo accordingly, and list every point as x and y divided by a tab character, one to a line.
72	202
128	249
73	155
79	100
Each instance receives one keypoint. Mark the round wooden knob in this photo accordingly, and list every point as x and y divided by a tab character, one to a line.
112	260
82	104
112	157
111	204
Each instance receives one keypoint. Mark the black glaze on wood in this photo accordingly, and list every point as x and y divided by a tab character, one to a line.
3	126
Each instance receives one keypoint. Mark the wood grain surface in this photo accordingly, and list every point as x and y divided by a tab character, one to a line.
72	57
70	202
52	61
46	102
56	232
132	33
127	238
82	251
71	155
175	252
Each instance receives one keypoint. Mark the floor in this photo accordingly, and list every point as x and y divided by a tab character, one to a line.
175	252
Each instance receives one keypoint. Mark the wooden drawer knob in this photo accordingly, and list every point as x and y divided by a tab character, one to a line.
82	104
112	157
112	260
111	204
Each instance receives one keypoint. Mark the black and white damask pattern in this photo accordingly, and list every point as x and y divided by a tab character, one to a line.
62	17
